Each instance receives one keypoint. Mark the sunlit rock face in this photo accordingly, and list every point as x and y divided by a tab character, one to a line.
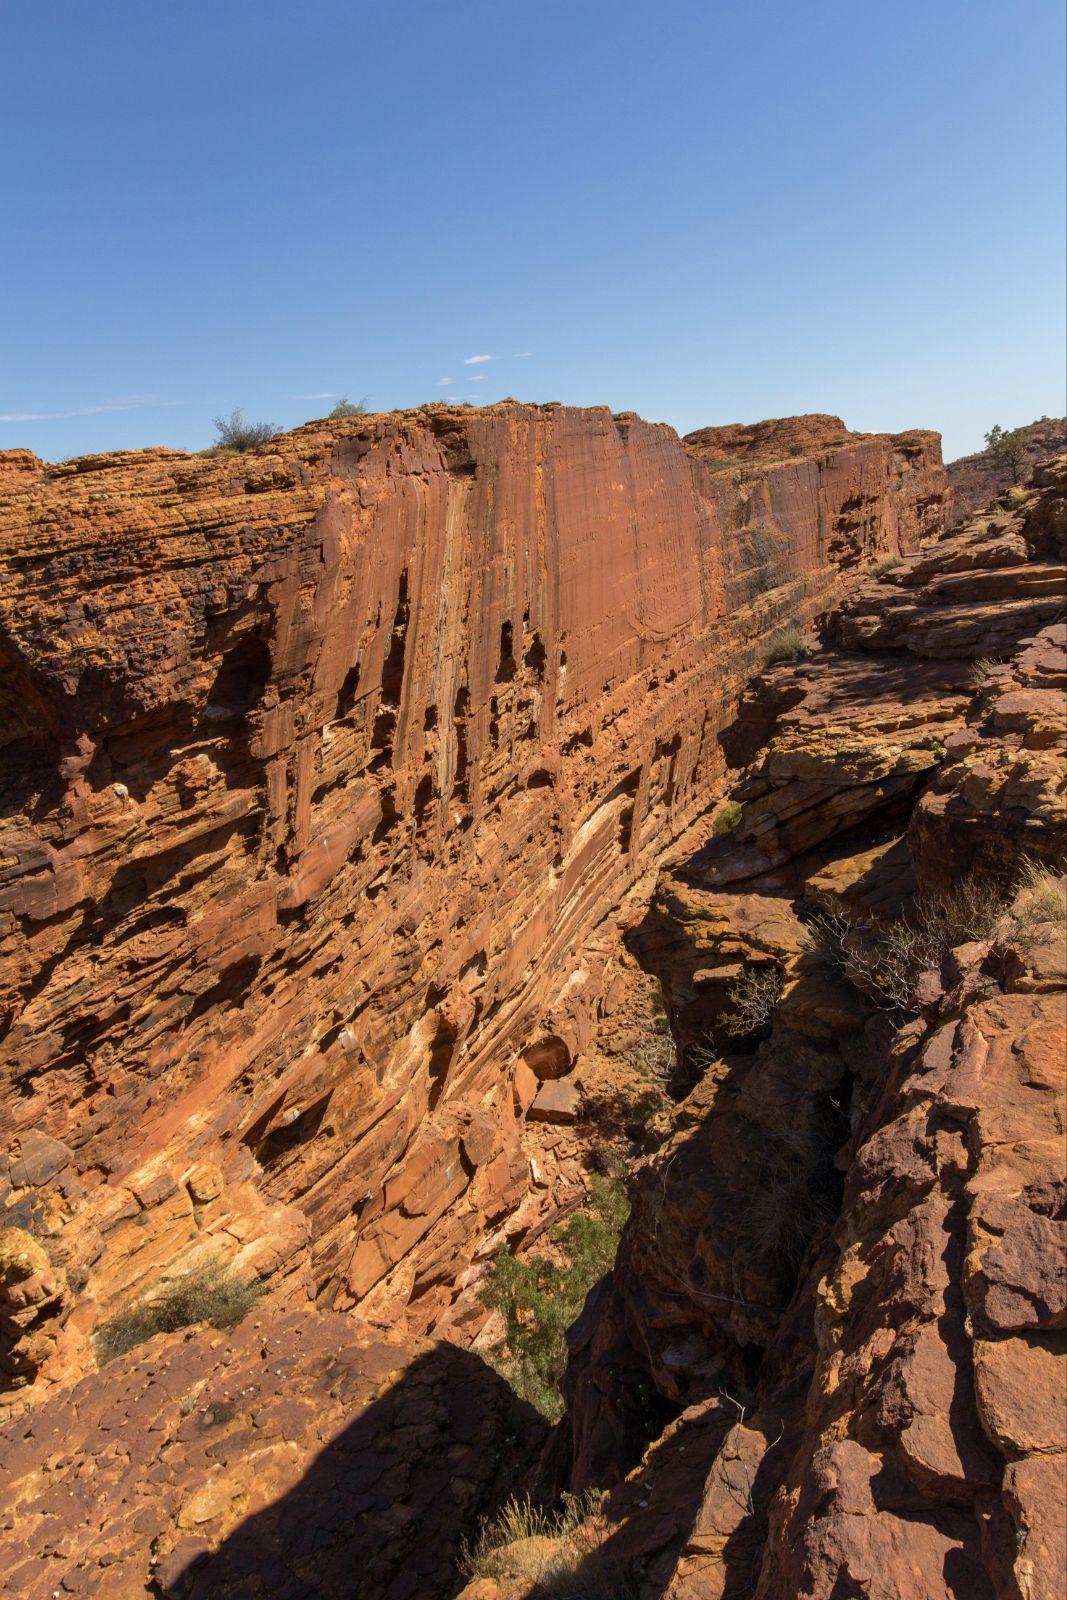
321	766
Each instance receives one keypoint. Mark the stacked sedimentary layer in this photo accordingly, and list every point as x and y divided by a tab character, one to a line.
320	765
844	1277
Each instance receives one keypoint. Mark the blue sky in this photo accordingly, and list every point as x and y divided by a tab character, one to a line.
702	212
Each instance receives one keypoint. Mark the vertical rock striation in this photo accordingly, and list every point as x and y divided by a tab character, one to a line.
320	766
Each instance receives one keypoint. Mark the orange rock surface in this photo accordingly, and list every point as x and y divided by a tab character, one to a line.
322	765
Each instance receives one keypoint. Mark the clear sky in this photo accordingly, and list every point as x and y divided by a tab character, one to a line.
704	212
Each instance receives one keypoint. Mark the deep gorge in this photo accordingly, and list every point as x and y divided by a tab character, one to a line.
337	775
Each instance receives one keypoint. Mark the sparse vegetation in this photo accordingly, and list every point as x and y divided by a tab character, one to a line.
752	1001
552	1549
794	1193
1006	447
885	958
203	1295
886	564
1044	897
234	433
518	1519
789	645
540	1295
727	818
349	408
980	670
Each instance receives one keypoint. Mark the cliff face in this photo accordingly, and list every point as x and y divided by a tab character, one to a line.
843	1277
322	764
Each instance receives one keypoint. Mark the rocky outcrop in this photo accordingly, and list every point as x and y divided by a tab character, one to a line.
322	766
300	1453
976	479
843	1279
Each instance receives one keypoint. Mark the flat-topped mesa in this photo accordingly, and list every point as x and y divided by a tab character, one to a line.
771	440
322	763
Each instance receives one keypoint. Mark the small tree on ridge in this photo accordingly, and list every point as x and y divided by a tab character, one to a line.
1005	448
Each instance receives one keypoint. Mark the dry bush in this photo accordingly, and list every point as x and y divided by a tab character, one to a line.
203	1295
886	564
1046	899
520	1519
348	408
752	1001
234	433
884	958
789	645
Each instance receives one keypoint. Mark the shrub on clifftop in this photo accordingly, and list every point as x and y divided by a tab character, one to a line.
234	433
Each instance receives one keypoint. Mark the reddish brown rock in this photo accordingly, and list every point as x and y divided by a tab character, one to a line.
853	1230
300	1453
322	766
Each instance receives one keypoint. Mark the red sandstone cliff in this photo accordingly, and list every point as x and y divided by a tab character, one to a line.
844	1279
321	765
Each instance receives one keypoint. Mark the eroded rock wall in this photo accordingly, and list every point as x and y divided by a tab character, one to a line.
844	1274
320	766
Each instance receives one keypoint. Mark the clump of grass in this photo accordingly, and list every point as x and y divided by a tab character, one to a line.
563	1559
789	645
520	1519
886	564
727	818
234	433
980	670
1045	899
751	1001
541	1295
203	1295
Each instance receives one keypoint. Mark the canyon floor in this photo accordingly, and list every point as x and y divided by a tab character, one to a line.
430	832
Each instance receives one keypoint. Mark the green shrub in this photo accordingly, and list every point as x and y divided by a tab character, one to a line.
349	408
790	645
234	433
980	670
203	1295
540	1296
727	817
886	564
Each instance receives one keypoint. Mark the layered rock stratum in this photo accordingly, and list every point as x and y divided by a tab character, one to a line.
322	767
335	775
844	1272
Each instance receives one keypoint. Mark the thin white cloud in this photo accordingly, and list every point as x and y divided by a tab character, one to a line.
443	381
478	377
326	394
520	355
130	403
473	361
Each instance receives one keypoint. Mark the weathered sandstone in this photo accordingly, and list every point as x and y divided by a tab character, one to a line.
844	1275
321	767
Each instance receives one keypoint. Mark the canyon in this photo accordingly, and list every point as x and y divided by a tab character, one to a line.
348	788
